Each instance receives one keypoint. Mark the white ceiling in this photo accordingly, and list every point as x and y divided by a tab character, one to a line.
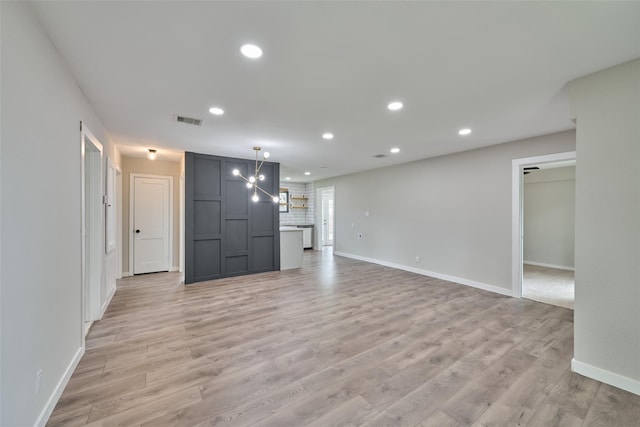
499	68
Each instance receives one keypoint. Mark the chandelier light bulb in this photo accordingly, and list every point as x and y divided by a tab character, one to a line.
261	177
249	185
255	197
236	172
266	155
252	179
276	199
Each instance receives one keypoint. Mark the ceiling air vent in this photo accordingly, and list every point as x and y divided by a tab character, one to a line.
188	120
379	156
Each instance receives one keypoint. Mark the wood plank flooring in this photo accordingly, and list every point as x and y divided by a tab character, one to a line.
337	343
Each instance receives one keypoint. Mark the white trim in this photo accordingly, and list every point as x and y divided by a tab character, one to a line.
119	206
459	280
174	268
57	391
517	166
607	377
107	302
542	264
132	178
181	225
318	218
90	297
126	274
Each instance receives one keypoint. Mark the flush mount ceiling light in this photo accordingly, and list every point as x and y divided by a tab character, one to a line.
252	181
465	131
395	150
327	135
288	178
251	51
152	154
216	111
307	173
395	106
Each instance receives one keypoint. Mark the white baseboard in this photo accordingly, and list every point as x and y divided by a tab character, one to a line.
107	302
466	282
607	377
126	274
542	264
174	268
57	391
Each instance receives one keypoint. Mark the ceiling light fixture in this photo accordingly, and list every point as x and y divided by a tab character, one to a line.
288	178
307	173
395	150
465	131
327	135
251	51
252	181
152	154
216	111
395	106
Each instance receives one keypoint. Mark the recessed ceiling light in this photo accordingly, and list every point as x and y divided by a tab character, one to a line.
395	150
395	106
288	178
307	173
216	111
251	51
327	135
465	131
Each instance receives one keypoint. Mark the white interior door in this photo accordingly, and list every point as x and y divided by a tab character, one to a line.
327	217
151	220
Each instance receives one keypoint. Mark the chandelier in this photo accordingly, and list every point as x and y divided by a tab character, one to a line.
252	181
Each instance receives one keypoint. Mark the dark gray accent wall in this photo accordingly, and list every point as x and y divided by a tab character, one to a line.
227	234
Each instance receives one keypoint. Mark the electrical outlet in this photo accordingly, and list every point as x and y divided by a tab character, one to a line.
38	381
359	235
417	258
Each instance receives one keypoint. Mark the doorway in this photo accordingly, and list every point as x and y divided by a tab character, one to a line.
150	223
92	223
539	274
326	197
549	233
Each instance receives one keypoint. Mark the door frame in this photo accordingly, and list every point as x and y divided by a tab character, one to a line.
91	254
132	178
517	190
318	239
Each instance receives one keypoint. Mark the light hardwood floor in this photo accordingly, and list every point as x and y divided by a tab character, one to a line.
337	343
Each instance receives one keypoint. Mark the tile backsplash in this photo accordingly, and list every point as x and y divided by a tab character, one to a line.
299	216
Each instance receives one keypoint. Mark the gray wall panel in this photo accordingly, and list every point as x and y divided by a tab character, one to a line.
206	259
262	253
226	234
207	217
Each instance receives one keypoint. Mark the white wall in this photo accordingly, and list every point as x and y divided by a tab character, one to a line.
453	212
607	303
41	319
549	217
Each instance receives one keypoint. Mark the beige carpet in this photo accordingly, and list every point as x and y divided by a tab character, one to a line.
548	285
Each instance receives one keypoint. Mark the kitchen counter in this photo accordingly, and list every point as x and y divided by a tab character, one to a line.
290	248
307	235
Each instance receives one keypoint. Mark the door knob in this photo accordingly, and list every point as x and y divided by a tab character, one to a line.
137	231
